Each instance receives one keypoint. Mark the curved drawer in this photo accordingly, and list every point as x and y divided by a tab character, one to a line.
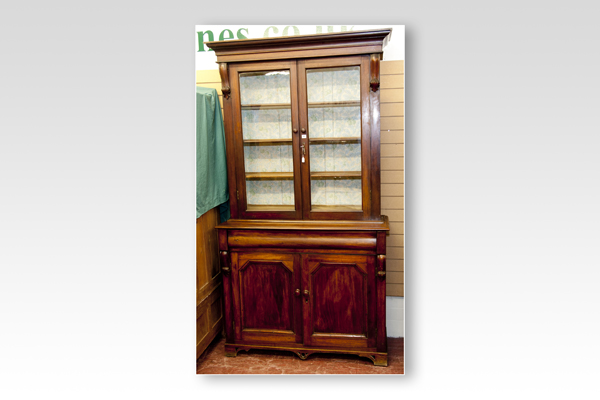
302	239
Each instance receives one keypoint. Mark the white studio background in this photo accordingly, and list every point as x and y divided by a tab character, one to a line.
97	200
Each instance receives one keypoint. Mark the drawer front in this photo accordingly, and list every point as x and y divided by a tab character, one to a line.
358	241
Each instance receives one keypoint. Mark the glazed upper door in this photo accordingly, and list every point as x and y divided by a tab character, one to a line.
335	124
265	107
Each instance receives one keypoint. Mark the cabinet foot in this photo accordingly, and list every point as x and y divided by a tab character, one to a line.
379	360
303	355
231	351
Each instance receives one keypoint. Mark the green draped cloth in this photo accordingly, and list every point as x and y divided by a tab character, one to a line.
211	163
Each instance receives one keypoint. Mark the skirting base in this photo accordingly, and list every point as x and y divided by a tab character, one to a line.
379	359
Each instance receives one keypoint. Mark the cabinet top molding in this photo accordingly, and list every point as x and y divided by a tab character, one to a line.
380	225
301	46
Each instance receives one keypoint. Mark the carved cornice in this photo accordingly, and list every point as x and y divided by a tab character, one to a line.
301	46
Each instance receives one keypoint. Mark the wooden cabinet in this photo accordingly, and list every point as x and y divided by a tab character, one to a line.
304	253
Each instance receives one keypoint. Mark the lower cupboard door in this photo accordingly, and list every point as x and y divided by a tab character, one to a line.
339	300
266	303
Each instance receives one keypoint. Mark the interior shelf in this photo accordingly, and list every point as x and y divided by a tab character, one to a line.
267	142
316	141
270	207
325	208
335	175
263	176
334	104
335	140
273	106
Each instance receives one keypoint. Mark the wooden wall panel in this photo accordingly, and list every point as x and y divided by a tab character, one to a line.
392	161
395	289
209	317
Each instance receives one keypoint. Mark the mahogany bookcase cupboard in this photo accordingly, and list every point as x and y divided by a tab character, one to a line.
303	256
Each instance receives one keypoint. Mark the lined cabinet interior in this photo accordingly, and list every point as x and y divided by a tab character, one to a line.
302	144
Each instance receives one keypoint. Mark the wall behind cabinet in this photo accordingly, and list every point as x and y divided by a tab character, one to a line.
392	162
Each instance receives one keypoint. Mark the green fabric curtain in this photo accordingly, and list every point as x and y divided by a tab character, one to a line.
211	163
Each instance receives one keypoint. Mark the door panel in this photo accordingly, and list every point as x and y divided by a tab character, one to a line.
266	304
339	306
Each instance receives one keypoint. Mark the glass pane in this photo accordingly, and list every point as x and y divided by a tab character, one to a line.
267	134
334	122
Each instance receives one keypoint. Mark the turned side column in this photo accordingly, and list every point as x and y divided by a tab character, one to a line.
381	279
225	259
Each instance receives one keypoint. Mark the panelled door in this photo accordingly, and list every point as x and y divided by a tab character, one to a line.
266	302
302	134
339	300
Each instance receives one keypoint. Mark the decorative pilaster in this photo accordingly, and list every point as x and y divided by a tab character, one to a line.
374	63
225	87
381	281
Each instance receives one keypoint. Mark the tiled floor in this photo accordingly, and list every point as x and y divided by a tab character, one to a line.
213	361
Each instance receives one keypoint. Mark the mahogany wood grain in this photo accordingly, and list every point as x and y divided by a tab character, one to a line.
337	305
265	303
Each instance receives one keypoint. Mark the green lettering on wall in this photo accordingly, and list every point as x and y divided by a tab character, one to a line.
286	29
201	40
320	28
275	30
240	35
222	35
344	28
